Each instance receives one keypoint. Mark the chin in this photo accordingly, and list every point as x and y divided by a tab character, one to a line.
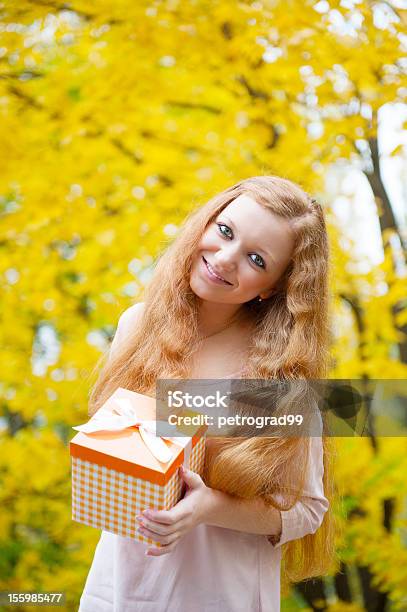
202	292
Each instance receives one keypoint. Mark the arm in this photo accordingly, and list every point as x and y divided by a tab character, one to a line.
248	515
254	516
307	514
202	504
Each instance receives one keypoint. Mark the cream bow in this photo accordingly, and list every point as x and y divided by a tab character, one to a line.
123	416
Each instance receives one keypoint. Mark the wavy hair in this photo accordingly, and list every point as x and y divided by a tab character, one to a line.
290	341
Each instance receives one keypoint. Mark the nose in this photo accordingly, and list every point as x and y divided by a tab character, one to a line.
226	259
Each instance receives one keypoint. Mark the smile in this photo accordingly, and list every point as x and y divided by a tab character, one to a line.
212	274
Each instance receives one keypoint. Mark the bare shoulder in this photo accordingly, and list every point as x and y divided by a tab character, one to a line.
131	315
127	321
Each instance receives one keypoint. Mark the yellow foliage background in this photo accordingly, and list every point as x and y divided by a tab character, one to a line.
117	118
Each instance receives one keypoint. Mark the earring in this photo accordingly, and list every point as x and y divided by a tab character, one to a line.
259	299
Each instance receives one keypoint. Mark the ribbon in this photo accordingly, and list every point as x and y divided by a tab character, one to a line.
124	416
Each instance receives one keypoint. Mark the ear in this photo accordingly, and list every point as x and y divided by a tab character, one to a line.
266	294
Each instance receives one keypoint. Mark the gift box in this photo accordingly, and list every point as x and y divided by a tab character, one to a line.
120	468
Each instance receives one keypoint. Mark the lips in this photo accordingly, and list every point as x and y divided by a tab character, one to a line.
212	272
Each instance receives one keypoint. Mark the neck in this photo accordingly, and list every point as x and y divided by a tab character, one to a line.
214	316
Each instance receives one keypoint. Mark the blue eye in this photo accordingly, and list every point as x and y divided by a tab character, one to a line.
223	225
261	260
260	264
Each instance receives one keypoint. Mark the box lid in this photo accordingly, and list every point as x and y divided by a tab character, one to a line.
124	450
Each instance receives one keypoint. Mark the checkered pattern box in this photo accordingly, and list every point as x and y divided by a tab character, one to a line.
115	476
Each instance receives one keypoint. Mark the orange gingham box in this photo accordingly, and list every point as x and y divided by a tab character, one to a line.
115	476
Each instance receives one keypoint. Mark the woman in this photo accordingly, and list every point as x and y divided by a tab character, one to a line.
241	292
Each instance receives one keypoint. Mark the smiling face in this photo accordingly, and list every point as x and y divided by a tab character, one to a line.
247	246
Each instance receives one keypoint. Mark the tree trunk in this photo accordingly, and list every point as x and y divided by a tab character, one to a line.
388	223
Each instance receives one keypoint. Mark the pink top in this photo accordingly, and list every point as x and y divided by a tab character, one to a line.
212	569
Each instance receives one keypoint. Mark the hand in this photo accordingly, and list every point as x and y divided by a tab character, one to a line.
168	526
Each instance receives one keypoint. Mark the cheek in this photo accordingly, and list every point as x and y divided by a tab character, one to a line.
252	281
202	244
210	238
251	284
249	279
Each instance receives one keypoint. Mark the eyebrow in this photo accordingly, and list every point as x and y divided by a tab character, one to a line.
232	225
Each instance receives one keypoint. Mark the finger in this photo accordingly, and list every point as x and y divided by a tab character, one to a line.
160	528
162	539
192	479
169	517
162	550
166	517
